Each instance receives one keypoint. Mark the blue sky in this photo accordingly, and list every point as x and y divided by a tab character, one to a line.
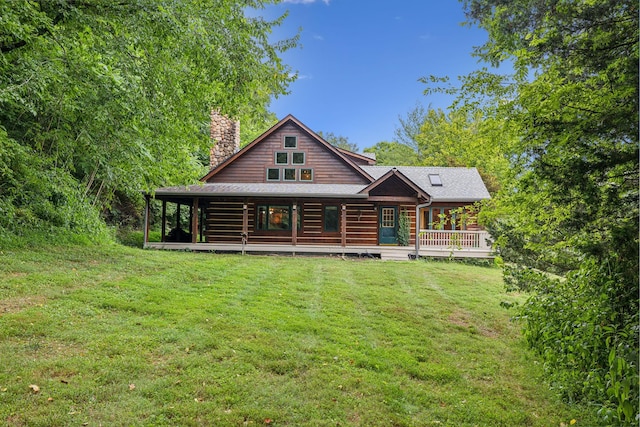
359	62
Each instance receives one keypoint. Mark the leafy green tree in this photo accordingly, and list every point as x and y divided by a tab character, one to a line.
460	138
339	141
393	154
573	208
99	97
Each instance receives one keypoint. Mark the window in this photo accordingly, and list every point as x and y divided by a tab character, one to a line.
306	174
445	218
282	158
273	174
297	158
273	218
289	174
290	141
388	218
435	180
331	218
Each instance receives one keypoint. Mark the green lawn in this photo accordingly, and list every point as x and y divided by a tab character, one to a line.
120	336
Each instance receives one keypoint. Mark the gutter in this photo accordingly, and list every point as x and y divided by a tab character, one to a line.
260	194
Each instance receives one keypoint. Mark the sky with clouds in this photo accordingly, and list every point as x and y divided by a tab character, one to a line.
359	62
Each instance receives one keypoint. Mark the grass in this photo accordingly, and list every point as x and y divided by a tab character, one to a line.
112	335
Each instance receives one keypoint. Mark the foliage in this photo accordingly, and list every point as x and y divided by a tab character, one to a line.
99	96
573	209
404	228
339	141
393	154
459	138
119	336
562	317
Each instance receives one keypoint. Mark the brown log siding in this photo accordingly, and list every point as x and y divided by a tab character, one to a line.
224	221
252	167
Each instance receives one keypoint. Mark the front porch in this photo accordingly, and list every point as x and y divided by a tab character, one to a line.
433	243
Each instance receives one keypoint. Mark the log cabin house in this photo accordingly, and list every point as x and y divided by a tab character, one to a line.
291	191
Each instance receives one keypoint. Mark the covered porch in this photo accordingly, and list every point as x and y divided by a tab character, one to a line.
387	253
356	235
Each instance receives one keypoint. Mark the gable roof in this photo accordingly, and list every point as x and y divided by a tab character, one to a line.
290	119
359	158
458	184
404	180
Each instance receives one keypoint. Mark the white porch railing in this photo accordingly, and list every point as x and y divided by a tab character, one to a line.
454	239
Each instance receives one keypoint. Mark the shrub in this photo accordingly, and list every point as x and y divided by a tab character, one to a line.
587	337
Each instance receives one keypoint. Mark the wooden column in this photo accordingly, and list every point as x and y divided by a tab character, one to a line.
343	225
163	227
201	223
245	219
178	216
146	221
194	220
294	225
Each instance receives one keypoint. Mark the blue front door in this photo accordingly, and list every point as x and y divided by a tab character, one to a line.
388	222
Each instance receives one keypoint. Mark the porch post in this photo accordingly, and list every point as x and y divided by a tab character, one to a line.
194	220
146	221
245	219
244	236
201	223
294	225
418	208
163	227
343	225
178	215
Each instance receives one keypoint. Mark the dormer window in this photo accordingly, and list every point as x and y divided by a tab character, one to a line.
435	180
290	141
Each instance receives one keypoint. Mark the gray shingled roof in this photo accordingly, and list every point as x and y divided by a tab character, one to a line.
458	184
275	189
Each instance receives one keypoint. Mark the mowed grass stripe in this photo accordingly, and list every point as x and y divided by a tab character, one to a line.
118	336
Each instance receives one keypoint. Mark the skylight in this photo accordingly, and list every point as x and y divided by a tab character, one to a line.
435	180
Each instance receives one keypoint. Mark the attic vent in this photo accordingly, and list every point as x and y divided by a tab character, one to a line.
435	180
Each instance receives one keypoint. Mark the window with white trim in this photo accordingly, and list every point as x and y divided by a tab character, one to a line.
297	158
289	174
306	174
273	174
290	141
282	158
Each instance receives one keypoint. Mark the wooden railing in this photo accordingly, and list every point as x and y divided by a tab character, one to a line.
454	239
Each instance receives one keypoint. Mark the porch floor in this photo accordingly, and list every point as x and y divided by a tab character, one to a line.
389	253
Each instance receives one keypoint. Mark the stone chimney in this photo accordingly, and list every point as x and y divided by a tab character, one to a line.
225	138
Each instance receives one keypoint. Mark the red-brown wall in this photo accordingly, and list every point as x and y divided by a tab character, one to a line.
252	166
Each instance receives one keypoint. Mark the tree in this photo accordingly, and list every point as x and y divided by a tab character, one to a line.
574	208
339	141
460	138
100	97
393	154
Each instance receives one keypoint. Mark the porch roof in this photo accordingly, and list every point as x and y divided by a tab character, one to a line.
278	189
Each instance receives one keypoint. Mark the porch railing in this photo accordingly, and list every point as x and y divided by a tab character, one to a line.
454	239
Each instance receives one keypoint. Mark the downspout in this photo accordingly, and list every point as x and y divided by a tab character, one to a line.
418	207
